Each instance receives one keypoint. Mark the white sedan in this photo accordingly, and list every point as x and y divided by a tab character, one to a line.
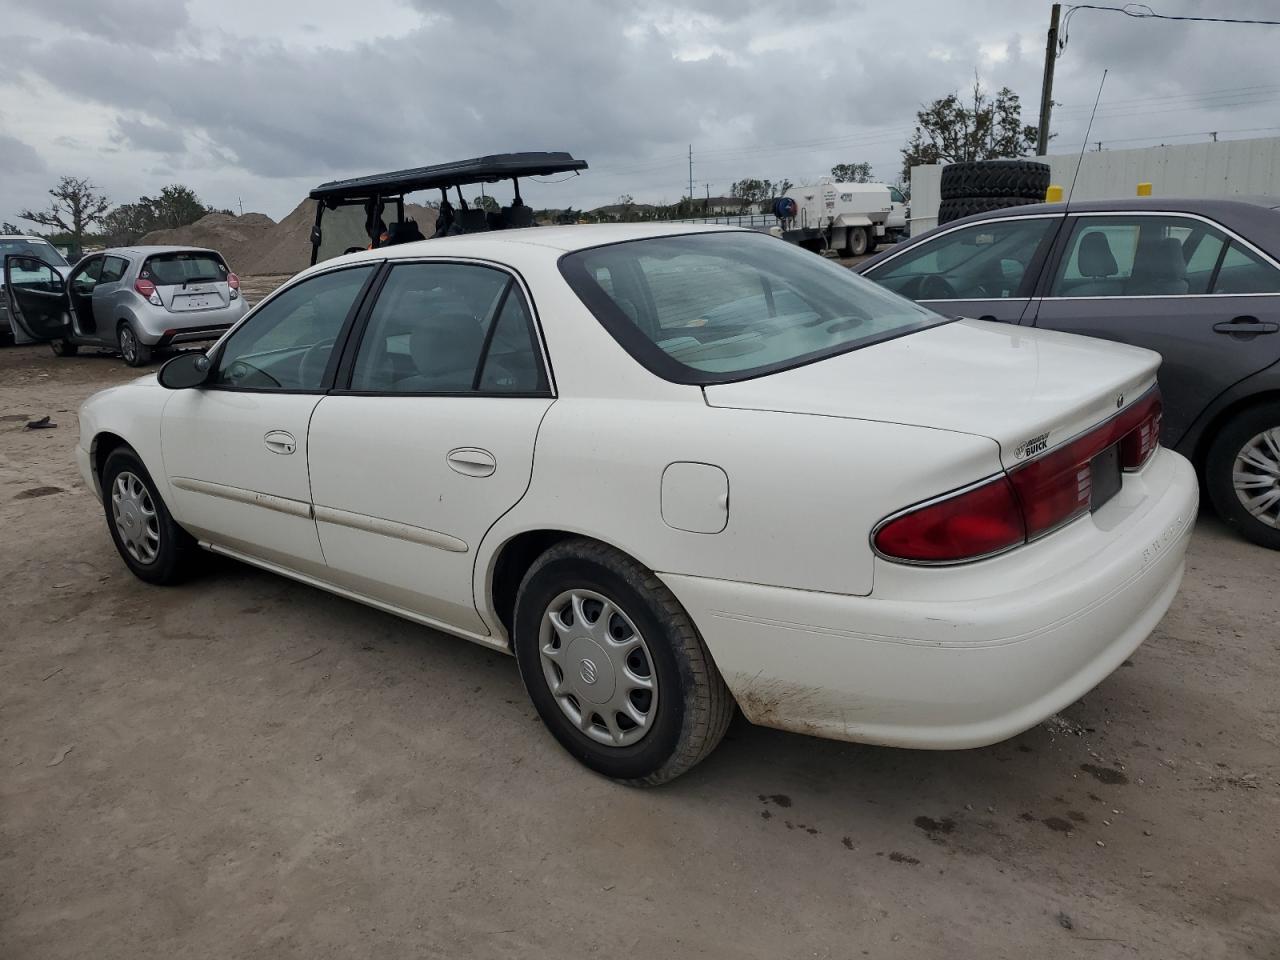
674	469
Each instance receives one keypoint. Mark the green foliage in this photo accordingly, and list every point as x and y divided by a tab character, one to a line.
176	206
486	203
981	128
10	229
753	191
852	172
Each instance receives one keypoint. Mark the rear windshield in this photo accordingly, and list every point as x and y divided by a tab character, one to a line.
32	248
174	269
718	307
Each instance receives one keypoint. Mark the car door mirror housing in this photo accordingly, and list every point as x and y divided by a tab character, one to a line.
184	371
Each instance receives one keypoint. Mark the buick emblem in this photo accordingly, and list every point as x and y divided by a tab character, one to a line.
588	672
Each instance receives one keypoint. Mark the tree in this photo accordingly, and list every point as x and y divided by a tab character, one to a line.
127	223
852	172
10	229
750	190
76	206
626	200
951	129
486	203
176	206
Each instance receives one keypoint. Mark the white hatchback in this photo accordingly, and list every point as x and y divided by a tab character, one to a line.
674	469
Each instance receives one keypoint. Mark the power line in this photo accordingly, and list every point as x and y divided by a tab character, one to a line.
1140	11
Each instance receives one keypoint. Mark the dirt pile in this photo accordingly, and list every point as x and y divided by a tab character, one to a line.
253	243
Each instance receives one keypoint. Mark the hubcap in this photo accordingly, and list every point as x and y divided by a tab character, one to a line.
135	517
127	346
1256	476
598	668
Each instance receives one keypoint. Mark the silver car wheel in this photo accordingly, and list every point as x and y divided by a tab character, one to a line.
1256	476
128	343
135	517
598	668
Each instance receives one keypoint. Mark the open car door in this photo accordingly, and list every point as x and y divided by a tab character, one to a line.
39	307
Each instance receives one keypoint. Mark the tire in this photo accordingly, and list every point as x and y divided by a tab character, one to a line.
175	550
1255	427
134	351
688	705
958	209
857	242
1023	179
64	348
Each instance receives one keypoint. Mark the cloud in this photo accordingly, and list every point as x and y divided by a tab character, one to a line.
140	22
17	158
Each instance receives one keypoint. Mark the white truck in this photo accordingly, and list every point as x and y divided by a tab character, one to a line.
849	217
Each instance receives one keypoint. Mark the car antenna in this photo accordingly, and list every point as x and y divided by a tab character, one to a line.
1084	145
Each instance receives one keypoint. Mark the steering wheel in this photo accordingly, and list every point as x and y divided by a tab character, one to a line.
934	286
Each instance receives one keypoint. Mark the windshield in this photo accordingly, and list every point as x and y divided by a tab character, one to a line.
718	307
32	248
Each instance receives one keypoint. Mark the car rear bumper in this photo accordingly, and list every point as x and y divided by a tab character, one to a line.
948	658
192	334
160	328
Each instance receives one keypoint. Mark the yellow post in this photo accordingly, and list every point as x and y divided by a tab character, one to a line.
1053	194
1144	189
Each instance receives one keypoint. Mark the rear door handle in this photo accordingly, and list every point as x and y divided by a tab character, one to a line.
1246	326
280	441
471	461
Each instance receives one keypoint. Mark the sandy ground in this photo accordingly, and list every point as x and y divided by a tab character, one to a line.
246	767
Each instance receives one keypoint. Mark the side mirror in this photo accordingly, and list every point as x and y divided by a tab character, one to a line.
184	371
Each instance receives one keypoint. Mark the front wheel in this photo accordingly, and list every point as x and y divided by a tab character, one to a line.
1242	474
856	242
134	351
150	541
615	667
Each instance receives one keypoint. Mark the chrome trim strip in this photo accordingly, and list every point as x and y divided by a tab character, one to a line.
389	528
295	508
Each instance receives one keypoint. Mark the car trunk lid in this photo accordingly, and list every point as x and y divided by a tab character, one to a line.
1028	390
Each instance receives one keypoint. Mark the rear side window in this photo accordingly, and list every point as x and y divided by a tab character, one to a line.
113	269
1243	271
175	269
448	328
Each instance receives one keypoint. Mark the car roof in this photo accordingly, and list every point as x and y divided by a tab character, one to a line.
148	251
23	236
1205	205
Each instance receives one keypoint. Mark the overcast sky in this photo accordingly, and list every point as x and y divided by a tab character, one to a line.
256	101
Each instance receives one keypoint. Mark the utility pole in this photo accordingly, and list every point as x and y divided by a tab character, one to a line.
691	173
1214	134
1046	90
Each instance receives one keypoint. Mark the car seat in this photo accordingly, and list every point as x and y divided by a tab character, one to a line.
445	349
1096	261
1158	269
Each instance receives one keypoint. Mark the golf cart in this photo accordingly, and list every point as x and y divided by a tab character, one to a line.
369	211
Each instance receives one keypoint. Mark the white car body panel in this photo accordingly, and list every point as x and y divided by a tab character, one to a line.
811	630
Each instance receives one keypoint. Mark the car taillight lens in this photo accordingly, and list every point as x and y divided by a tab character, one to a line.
234	283
147	290
976	523
1028	501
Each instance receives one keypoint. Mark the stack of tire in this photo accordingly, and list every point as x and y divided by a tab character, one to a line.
980	186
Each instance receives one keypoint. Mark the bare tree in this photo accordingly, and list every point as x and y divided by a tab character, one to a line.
76	206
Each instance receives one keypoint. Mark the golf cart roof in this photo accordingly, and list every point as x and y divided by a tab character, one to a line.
499	166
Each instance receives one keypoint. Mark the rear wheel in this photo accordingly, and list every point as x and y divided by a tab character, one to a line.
150	541
134	351
614	665
64	348
856	242
1242	473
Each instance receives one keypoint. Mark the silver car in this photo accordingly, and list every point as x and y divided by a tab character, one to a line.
133	299
36	247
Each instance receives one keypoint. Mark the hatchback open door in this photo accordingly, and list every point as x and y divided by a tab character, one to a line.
39	307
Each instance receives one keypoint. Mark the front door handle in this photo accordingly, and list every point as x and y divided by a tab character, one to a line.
280	441
471	461
1245	326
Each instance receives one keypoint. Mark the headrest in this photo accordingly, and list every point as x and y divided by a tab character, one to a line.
1095	258
446	343
1161	260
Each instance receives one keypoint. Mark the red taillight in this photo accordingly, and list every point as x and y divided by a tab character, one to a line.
976	523
234	283
147	290
1029	501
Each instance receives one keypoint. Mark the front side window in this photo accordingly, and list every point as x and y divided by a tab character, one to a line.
85	277
717	307
287	343
1129	255
448	328
984	261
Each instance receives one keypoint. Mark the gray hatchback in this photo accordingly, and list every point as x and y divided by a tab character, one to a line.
1196	280
133	299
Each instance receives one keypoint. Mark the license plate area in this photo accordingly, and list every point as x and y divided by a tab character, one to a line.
1106	476
194	302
